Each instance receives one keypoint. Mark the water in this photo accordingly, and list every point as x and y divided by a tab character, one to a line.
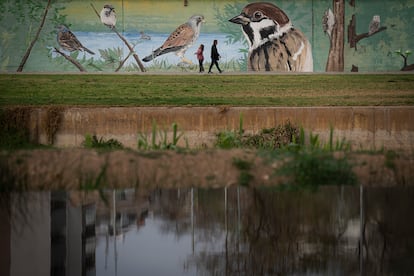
97	40
233	231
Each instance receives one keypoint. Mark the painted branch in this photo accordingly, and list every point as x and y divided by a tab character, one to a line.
75	62
408	67
122	62
131	49
365	35
354	38
29	50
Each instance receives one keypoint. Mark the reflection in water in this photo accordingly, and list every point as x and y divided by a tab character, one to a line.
232	231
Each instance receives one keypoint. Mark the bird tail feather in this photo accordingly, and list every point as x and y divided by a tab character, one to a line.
159	52
154	54
89	51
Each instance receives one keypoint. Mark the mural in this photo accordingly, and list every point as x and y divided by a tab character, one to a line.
282	35
180	40
274	44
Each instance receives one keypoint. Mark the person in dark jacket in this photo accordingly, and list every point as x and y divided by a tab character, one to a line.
215	56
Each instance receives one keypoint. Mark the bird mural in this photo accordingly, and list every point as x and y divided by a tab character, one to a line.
274	44
180	40
108	16
328	22
374	24
68	41
144	36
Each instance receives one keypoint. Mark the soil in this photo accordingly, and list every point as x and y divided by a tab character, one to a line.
89	169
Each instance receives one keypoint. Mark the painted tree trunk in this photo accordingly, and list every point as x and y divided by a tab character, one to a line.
335	61
29	50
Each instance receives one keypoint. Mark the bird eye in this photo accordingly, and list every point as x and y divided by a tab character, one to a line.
258	15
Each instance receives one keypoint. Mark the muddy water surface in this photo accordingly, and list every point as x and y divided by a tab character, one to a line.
193	231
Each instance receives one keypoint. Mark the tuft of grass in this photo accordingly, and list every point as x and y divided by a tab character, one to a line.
267	139
311	169
92	142
310	163
159	139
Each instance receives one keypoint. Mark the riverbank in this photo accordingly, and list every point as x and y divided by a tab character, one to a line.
73	169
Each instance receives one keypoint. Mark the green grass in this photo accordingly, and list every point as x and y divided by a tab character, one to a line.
145	89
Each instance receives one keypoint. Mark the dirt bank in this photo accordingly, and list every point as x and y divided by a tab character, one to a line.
89	169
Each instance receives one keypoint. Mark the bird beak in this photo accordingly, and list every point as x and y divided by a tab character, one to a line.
240	19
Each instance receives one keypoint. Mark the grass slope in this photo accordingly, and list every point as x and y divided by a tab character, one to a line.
203	90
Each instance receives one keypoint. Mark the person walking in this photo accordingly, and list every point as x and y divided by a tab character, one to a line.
200	57
215	56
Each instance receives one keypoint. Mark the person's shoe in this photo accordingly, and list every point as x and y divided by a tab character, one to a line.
210	72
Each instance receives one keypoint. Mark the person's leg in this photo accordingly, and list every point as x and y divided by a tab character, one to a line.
201	66
211	65
218	68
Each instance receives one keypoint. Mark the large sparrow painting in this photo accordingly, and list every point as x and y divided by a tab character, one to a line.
274	44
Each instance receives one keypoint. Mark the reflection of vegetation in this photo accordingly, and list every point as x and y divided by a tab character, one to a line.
290	233
287	232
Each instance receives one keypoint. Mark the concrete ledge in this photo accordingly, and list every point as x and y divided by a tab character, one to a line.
365	127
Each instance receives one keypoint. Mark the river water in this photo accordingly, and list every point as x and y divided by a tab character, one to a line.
227	231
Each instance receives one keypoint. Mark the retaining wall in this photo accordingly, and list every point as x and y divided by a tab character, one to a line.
364	127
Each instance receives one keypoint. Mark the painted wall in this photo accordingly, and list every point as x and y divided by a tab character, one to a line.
158	19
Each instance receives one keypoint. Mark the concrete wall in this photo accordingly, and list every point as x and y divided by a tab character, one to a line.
365	127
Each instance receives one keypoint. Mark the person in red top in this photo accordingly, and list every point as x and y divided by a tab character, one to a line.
200	57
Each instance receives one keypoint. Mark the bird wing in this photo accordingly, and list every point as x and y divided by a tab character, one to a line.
69	39
298	50
180	37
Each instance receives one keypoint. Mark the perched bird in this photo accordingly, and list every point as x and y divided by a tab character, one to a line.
374	24
274	44
108	16
144	36
328	21
180	40
68	41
